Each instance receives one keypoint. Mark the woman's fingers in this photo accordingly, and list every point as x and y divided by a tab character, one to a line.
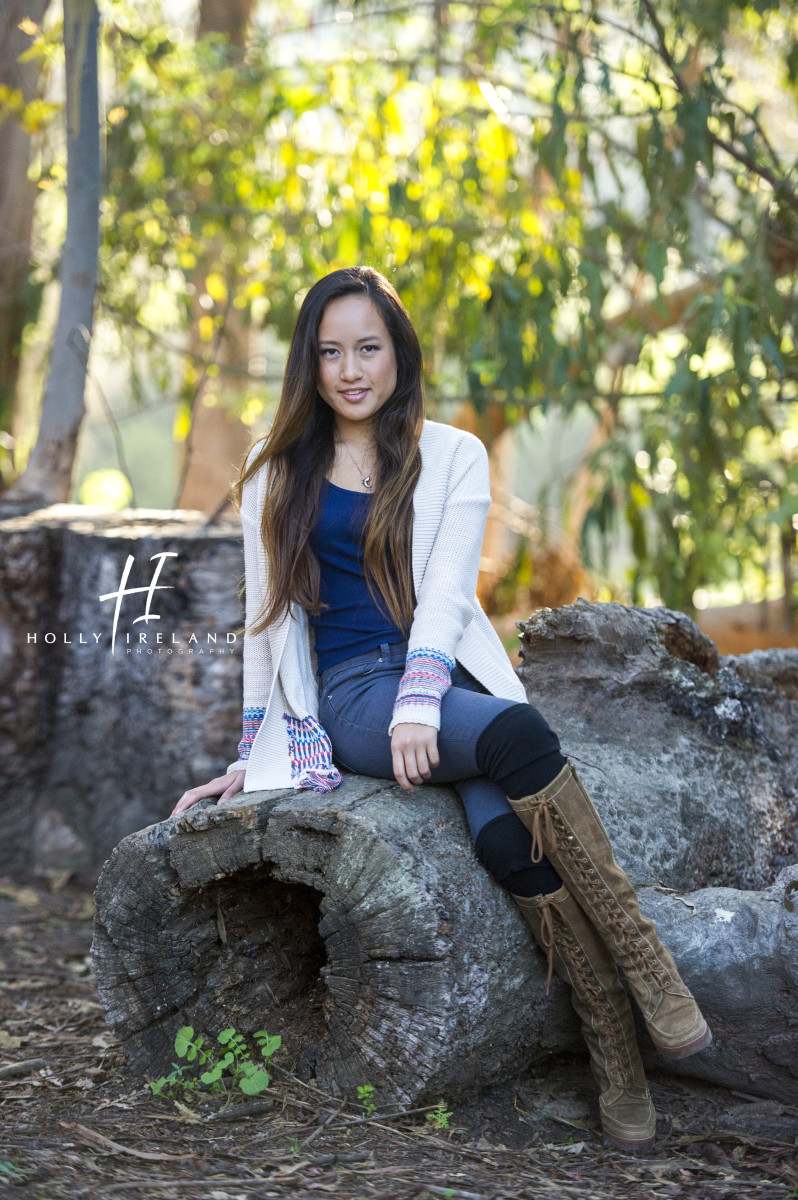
405	769
224	786
399	771
414	753
186	801
235	786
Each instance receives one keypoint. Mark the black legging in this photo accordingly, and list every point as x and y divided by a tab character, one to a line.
522	754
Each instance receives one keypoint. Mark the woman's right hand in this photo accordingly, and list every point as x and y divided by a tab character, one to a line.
224	786
414	750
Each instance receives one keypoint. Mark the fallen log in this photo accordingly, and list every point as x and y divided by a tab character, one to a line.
739	953
358	925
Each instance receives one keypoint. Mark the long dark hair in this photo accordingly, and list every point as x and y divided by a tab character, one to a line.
299	451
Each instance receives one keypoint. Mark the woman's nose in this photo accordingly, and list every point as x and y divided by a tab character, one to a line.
350	367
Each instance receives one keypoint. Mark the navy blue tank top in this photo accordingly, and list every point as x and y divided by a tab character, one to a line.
353	623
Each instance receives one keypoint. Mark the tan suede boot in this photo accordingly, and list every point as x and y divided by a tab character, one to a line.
566	827
579	956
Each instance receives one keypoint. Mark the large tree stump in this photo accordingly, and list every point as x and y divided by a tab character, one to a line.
360	926
357	924
691	758
92	743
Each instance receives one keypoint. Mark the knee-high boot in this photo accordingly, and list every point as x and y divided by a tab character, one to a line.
575	950
565	825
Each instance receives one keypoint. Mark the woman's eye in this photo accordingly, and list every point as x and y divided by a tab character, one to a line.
371	347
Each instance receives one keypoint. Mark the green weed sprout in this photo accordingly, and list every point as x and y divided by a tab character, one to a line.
440	1117
365	1094
234	1066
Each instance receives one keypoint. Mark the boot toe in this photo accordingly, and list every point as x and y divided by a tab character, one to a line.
694	1046
628	1119
678	1028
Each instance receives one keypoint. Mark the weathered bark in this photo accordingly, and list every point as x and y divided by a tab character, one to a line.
359	925
692	759
420	976
739	953
697	779
48	474
93	743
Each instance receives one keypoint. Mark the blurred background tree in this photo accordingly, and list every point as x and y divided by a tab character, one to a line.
589	209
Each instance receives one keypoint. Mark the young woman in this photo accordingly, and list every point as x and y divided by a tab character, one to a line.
363	523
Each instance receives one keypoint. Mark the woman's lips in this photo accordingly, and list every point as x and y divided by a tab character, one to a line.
355	395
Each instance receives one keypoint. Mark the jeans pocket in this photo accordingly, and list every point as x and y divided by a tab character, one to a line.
351	696
326	698
368	668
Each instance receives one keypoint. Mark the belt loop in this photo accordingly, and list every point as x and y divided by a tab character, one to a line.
383	650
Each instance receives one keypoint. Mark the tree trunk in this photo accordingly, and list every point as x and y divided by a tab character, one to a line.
787	543
48	474
19	303
738	952
156	715
217	440
691	758
230	17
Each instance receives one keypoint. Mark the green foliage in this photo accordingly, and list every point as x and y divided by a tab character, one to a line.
235	1066
365	1094
578	204
440	1116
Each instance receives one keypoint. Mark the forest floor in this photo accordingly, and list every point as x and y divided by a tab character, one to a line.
76	1124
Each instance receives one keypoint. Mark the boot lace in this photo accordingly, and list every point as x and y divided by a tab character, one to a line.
555	929
548	824
540	812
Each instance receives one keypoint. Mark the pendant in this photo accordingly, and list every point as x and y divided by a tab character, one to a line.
367	481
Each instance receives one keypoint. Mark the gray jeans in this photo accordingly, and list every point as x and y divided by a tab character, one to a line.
356	699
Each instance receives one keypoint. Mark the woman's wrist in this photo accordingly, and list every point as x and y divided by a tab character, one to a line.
426	680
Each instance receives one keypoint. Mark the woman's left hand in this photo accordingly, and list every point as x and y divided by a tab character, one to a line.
224	786
414	749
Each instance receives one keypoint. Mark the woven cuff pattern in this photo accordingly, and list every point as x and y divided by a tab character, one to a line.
310	751
252	723
426	680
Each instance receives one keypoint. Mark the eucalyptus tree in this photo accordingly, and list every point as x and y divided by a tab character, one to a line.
22	112
48	473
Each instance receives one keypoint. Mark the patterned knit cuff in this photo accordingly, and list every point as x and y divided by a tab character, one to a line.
311	754
426	681
252	723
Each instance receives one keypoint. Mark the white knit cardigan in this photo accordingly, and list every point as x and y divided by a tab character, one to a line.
450	508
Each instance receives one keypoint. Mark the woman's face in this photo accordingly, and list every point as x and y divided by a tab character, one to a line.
357	362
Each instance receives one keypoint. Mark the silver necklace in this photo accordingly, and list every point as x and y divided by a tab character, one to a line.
367	481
